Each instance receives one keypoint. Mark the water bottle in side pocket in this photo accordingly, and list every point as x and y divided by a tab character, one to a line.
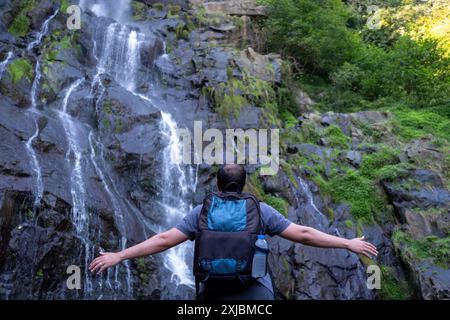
259	266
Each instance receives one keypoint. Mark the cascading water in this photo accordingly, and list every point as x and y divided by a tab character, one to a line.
177	183
117	211
121	54
29	144
42	32
5	62
80	216
309	197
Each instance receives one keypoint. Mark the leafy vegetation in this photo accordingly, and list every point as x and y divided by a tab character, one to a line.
20	26
391	287
138	10
356	67
254	186
434	249
19	69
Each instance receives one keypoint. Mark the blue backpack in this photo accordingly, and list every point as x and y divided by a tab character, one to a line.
229	224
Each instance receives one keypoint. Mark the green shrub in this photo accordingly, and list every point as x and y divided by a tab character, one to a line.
336	137
380	161
138	10
434	249
391	287
411	124
313	32
19	69
20	26
357	191
277	203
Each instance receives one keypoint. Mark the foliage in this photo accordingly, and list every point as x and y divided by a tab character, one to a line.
391	287
434	249
254	186
357	191
229	98
20	26
412	124
336	137
313	32
360	69
138	10
19	69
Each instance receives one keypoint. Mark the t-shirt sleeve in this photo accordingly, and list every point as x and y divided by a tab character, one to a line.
189	224
275	222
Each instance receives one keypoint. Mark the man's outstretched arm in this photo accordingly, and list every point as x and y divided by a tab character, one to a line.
312	237
155	244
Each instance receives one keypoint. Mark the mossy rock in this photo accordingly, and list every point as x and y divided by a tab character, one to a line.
19	69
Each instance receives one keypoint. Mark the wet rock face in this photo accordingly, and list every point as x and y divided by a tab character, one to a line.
121	144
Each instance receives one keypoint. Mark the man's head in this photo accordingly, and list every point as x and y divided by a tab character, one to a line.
231	178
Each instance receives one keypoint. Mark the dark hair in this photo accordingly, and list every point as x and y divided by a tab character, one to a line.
231	178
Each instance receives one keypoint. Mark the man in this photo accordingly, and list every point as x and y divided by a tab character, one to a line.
231	178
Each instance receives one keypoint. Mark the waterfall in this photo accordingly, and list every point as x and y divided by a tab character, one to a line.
35	86
174	190
121	54
5	62
29	144
80	216
309	197
117	210
120	58
42	32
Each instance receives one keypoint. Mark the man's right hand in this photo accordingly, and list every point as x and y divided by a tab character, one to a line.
105	261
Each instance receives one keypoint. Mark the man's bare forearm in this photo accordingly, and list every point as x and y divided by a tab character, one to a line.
316	238
312	237
155	244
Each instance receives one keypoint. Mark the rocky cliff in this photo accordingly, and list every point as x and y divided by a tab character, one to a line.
87	133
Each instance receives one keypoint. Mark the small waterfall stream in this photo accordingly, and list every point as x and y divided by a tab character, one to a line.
42	32
29	144
5	62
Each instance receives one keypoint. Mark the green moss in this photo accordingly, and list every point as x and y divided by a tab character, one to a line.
106	123
64	4
336	137
138	10
277	203
158	6
433	249
357	191
411	124
66	42
182	31
289	120
229	98
391	287
19	69
254	186
20	26
107	107
119	127
382	163
40	273
309	133
173	10
349	224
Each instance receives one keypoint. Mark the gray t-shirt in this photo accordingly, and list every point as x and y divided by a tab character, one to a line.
274	221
